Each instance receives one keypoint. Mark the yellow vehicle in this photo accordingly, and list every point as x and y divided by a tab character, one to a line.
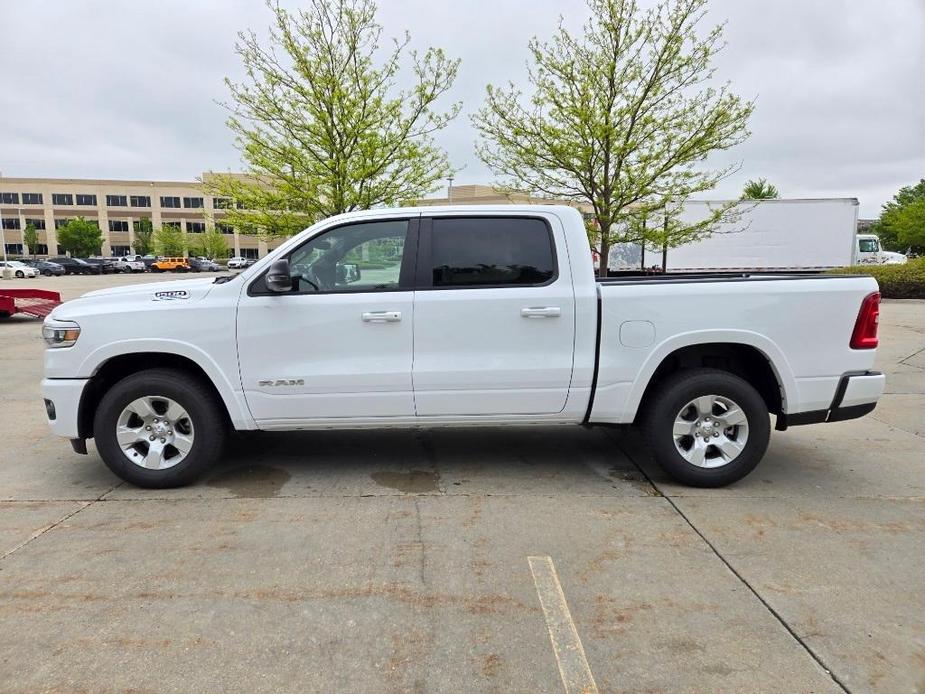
167	264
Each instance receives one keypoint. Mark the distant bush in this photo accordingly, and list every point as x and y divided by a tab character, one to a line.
896	281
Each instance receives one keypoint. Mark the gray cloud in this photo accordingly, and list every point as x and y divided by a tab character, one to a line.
128	89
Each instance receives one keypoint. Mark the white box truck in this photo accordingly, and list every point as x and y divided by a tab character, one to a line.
812	234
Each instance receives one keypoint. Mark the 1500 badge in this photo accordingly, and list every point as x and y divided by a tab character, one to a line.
171	295
283	382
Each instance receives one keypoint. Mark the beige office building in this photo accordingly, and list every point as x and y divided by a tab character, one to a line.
116	206
486	195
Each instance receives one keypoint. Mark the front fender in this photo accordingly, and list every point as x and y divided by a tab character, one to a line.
229	390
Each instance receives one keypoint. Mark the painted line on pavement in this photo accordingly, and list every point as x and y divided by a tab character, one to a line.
570	654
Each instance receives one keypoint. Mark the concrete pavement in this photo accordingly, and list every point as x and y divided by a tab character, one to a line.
397	561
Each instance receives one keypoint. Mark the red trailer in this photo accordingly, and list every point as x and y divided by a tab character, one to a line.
32	302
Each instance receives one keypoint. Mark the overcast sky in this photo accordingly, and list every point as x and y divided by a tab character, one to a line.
127	89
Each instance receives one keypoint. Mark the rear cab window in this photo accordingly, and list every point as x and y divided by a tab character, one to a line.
471	252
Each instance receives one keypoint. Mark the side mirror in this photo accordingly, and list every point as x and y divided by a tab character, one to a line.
278	277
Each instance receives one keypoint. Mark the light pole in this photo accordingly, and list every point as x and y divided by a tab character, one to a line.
449	190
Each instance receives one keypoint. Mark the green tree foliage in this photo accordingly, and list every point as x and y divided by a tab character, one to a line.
620	116
902	220
169	241
210	244
80	237
30	237
759	190
322	126
144	237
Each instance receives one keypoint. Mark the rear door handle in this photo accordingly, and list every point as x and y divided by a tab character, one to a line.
541	312
382	316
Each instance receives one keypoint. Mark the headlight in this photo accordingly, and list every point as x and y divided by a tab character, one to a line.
60	333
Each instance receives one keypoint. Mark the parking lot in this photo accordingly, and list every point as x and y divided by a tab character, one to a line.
466	560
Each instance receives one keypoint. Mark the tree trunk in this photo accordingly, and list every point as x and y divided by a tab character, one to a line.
665	246
605	257
642	246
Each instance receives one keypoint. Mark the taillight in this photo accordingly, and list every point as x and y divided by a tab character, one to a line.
865	328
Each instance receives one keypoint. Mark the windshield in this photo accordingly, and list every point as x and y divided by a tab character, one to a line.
868	245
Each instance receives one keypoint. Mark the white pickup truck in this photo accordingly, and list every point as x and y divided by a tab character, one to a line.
454	316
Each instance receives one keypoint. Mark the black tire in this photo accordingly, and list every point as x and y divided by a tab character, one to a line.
20	274
195	397
682	388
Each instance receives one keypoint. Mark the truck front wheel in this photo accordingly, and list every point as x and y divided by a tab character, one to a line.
707	427
159	428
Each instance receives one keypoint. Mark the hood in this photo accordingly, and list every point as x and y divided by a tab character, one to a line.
193	287
135	297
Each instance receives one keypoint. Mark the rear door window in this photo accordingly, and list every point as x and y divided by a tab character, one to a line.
490	252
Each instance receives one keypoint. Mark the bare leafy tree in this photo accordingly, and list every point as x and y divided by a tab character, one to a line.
620	116
321	124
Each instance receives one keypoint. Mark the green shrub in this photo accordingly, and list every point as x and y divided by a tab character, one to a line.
896	281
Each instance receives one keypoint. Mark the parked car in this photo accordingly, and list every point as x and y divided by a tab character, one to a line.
75	266
203	265
124	264
147	260
46	267
510	327
105	265
170	264
19	268
239	262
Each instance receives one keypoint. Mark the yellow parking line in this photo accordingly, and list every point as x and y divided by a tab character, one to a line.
570	655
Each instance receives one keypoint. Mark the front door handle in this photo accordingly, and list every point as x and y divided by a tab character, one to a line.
541	312
382	316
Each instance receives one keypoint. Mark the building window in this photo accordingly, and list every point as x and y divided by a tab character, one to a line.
168	201
14	249
140	200
195	227
62	199
31	198
9	198
118	225
171	225
224	228
119	251
61	222
39	224
136	224
86	199
192	202
40	249
249	253
10	223
116	201
221	203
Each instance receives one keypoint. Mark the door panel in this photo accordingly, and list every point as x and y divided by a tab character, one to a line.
340	343
493	350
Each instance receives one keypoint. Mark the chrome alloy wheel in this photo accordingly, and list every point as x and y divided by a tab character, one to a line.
155	432
710	431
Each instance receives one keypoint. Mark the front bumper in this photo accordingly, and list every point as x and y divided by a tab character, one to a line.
62	400
856	395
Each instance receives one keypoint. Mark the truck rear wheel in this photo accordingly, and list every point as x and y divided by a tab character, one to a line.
159	428
707	428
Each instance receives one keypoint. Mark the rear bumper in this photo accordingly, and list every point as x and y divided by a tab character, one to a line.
856	395
62	400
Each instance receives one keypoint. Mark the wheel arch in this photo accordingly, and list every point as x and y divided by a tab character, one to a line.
747	355
114	368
